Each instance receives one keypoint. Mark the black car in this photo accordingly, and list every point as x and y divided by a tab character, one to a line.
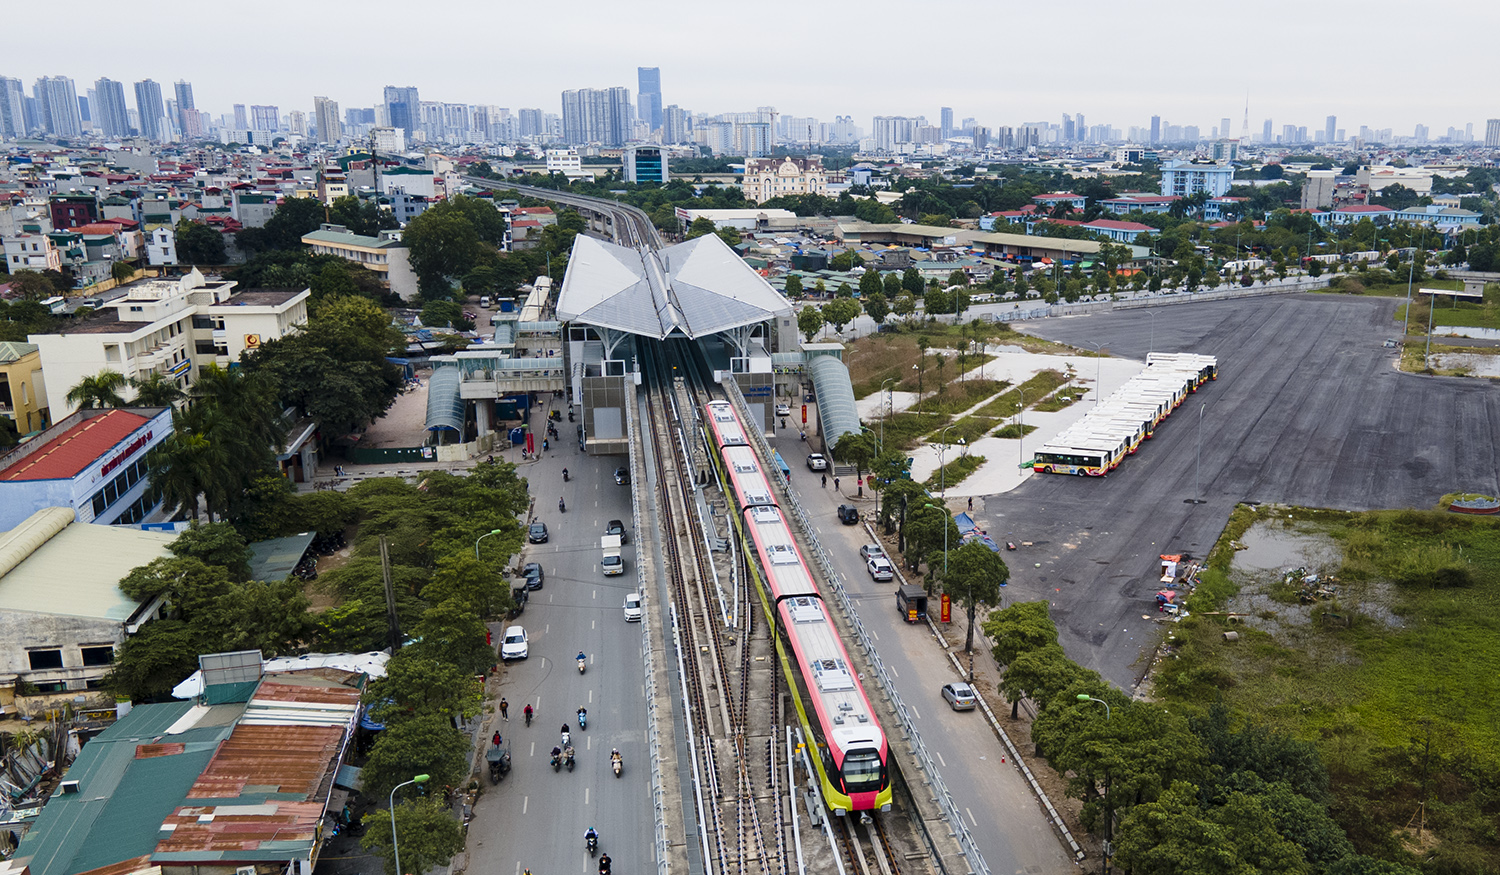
537	534
520	596
532	571
622	476
616	527
848	514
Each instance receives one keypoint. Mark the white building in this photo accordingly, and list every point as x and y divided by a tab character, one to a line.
244	320
566	162
1183	178
386	255
388	140
161	246
31	252
767	178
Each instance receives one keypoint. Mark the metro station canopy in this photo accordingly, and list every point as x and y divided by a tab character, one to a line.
693	289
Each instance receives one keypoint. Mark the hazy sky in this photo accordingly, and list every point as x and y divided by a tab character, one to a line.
1372	62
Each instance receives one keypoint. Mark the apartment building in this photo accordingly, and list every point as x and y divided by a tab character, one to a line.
386	255
23	391
1185	178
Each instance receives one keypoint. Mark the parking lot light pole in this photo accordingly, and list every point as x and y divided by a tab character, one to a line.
1098	369
1152	348
481	538
884	415
396	847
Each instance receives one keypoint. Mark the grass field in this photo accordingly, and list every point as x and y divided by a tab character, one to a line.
1061	399
1013	431
956	470
889	356
956	396
904	430
1395	679
1032	391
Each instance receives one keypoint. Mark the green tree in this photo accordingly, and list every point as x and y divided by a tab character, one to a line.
876	307
958	278
426	744
870	283
843	262
100	390
462	577
294	218
215	544
153	661
904	305
1020	628
363	217
449	631
925	525
793	286
974	577
937	300
430	837
440	246
700	226
155	390
840	312
911	280
857	449
332	280
184	467
30	285
729	235
809	322
843	291
443	314
199	244
122	271
892	283
1041	674
417	686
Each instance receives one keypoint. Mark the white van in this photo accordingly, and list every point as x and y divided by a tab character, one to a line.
484	302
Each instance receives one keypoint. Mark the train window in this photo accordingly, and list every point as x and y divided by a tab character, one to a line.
861	768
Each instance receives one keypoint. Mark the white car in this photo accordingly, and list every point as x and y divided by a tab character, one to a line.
633	607
513	644
783	410
816	462
879	568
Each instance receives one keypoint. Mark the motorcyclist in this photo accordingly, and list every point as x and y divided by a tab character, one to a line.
614	757
556	754
568	754
583	716
565	475
561	506
604	864
527	714
591	839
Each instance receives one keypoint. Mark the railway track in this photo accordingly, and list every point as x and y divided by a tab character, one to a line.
629	226
741	805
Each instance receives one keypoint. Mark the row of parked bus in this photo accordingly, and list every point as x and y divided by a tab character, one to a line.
1116	427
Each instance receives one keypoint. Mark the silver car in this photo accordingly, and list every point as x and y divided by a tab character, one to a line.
960	696
633	607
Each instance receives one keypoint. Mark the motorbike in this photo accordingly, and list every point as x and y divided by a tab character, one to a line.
528	716
581	662
566	737
499	759
583	719
616	762
565	475
561	506
556	759
592	842
568	757
604	865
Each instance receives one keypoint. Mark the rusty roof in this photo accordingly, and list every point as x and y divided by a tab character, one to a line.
229	828
270	759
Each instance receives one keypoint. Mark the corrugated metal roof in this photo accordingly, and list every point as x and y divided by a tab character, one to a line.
837	413
445	407
75	449
77	572
276	558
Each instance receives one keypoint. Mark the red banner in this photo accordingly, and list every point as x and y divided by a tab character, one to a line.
804	414
947	609
530	443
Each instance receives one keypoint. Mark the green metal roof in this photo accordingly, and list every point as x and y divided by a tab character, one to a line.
77	572
121	800
276	558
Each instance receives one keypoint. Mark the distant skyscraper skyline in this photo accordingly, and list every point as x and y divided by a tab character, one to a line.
110	114
188	120
597	115
403	108
648	92
945	121
57	100
330	126
12	107
151	114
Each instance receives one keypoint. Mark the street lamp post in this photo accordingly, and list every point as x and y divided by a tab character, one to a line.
481	538
1410	276
1109	816
1085	697
1098	369
395	847
1021	428
1152	348
889	401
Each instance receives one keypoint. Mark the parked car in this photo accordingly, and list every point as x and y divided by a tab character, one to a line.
532	572
622	476
537	533
879	568
783	410
960	696
513	644
615	527
870	551
484	301
848	514
633	607
816	462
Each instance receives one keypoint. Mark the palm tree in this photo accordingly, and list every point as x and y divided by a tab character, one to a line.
155	390
100	390
184	467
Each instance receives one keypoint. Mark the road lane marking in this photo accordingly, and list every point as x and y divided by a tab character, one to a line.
971	817
525	800
942	762
586	796
915	711
892	670
591	696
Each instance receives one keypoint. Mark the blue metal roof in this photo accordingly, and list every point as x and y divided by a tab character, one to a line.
445	409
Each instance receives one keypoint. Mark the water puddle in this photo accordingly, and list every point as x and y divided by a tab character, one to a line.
1286	571
1476	364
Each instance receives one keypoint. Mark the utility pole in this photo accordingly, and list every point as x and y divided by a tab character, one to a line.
393	622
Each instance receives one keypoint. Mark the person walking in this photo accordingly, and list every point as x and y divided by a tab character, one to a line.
504	709
835	484
825	481
496	739
971	509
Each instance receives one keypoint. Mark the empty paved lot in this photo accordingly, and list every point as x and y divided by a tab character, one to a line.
1308	410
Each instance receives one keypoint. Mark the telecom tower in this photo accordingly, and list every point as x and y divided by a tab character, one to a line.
1245	128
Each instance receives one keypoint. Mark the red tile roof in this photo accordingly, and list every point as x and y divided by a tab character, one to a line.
75	449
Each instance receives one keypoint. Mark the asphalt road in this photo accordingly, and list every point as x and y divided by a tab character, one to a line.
1007	822
1309	409
536	818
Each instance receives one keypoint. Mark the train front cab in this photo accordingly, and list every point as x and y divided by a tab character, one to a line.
862	782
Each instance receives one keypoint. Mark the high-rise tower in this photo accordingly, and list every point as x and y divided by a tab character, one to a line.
648	86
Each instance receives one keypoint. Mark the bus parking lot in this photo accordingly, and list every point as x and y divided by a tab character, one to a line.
1309	409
